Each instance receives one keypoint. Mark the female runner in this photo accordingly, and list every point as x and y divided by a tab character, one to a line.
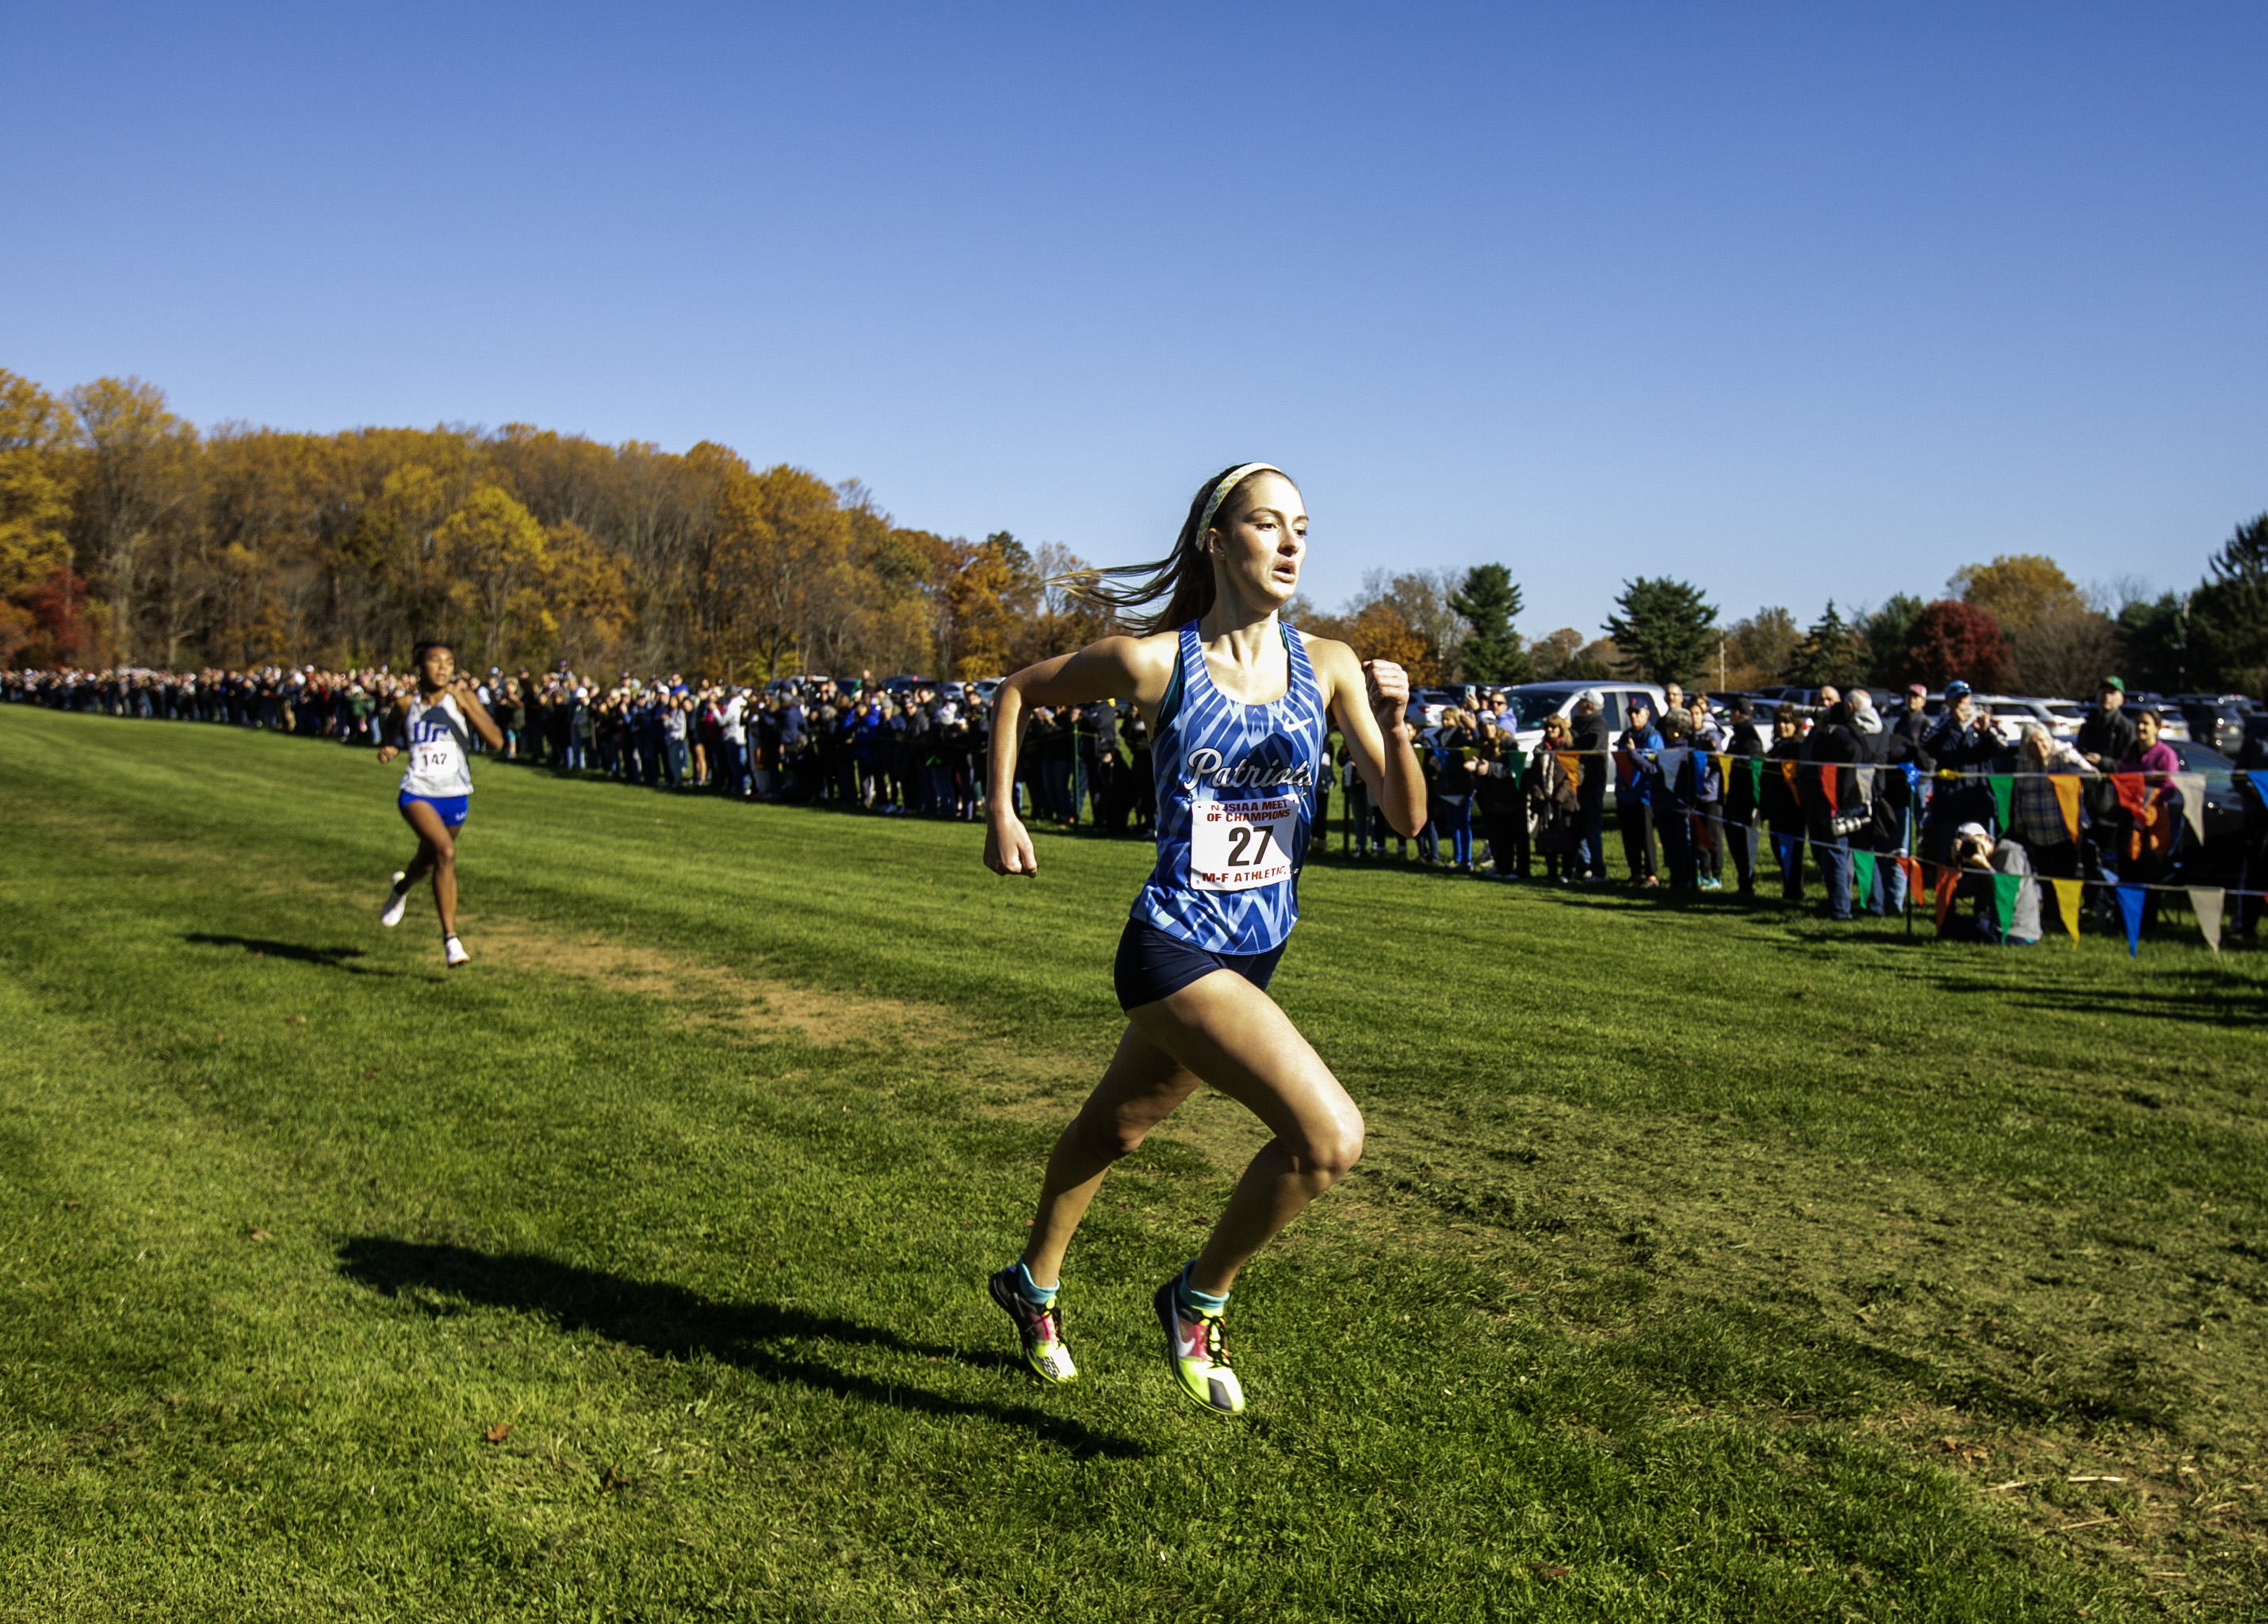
435	784
1239	703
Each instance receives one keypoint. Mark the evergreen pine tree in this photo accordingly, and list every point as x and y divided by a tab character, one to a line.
2229	612
1665	631
1832	651
1487	603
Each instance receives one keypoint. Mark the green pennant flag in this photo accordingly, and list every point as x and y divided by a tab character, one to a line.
2006	889
2004	796
1862	867
1755	778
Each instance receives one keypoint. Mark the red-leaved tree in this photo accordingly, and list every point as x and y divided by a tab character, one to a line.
1950	639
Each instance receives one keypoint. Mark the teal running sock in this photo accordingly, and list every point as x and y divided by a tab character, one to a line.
1031	1291
1191	1297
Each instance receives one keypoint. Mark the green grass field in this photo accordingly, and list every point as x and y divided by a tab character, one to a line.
1704	1264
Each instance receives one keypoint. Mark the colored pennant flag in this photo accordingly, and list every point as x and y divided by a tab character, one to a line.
2004	797
1867	783
1756	778
2066	794
2066	896
2192	788
1912	867
2006	889
2259	786
1571	764
2128	787
1862	866
1948	881
1724	769
1672	763
1787	774
2130	914
2205	902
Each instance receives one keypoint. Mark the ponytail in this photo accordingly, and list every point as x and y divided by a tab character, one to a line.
1183	577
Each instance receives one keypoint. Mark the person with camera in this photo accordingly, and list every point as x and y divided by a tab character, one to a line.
1978	860
1963	742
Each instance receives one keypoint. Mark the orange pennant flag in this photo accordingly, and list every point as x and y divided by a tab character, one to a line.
1571	764
2066	896
1788	772
2066	794
1948	881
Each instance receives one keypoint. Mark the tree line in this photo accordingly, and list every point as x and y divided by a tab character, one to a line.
129	537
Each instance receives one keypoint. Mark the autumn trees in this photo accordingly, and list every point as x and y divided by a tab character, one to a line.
128	536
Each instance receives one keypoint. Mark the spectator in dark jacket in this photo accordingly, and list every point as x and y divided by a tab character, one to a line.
1782	808
1963	742
1740	812
2104	737
1914	723
1830	793
1638	777
1592	767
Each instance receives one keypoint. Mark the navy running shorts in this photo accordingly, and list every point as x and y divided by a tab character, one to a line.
1151	965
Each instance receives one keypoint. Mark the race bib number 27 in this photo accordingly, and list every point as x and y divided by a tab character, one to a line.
1239	845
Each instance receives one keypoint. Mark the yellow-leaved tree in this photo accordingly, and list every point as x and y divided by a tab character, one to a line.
35	442
782	542
2016	589
498	563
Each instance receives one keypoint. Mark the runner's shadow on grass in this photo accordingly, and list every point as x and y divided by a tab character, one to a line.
260	947
779	1344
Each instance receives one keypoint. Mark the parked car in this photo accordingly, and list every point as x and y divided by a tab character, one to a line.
1426	705
2214	719
1531	702
2061	716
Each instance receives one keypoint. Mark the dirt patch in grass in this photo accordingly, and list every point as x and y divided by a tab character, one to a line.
706	994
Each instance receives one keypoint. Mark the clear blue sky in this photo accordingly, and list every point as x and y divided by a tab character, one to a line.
1788	300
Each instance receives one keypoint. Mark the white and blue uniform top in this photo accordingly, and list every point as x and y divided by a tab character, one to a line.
1236	796
438	751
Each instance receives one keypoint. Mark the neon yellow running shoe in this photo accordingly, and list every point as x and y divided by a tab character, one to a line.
1040	1330
1195	1353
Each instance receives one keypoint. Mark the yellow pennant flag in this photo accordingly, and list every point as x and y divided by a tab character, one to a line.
2066	794
1724	770
2066	896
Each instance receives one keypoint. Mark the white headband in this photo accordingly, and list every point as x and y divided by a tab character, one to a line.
1228	483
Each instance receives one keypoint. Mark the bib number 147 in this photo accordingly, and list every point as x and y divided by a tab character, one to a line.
1240	845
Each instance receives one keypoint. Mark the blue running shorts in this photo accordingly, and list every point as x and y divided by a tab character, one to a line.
1151	965
452	807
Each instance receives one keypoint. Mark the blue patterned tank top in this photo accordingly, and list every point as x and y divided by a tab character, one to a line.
1236	794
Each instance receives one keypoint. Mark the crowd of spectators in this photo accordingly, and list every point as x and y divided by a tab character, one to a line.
1709	795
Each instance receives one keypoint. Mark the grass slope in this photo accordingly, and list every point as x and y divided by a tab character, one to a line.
1703	1265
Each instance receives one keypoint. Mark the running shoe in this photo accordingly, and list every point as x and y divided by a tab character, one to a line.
1195	1353
1038	1329
454	951
396	900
